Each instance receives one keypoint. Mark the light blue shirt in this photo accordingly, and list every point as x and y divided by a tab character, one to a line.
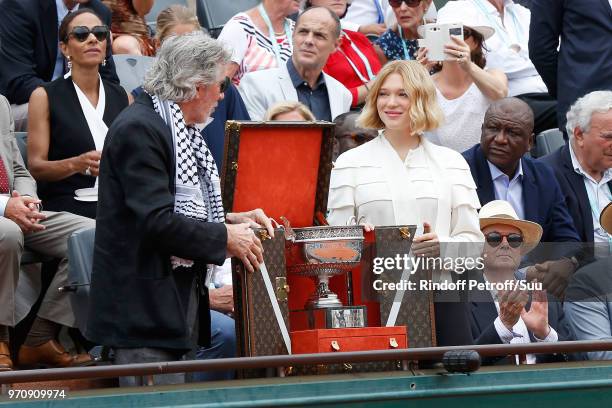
62	11
509	190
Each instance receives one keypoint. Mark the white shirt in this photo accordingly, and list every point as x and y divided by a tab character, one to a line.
463	117
62	11
365	12
511	34
599	196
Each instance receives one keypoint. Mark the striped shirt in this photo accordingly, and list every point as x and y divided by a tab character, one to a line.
252	49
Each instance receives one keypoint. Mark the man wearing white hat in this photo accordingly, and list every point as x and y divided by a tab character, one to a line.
588	301
508	315
508	51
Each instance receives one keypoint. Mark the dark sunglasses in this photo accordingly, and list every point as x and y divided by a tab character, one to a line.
495	238
224	84
409	3
81	33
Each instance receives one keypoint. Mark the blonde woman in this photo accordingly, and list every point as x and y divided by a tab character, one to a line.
289	111
400	178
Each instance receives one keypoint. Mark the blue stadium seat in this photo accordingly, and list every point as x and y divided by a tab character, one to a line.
159	5
548	141
80	264
213	14
131	69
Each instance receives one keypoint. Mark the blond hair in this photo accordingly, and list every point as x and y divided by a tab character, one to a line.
425	113
172	16
289	106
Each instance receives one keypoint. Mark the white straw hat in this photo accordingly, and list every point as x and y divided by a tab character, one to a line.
465	13
501	212
605	219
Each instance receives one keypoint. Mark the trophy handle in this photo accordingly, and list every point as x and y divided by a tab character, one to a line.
289	233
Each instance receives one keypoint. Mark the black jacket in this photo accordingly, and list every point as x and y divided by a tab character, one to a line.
28	45
574	191
137	299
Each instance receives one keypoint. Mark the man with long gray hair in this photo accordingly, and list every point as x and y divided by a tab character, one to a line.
584	166
161	226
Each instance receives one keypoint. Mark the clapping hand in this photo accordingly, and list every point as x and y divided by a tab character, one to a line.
511	305
536	319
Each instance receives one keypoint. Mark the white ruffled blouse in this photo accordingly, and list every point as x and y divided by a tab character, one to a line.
433	185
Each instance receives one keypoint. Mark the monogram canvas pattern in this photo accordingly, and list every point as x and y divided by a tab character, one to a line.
416	311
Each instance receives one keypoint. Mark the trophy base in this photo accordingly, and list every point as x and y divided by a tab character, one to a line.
329	300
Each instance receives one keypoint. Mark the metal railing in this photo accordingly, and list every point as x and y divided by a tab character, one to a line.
280	361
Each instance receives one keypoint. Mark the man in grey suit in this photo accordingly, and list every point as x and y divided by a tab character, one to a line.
22	224
315	37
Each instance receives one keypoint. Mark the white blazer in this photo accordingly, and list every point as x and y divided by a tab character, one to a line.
262	89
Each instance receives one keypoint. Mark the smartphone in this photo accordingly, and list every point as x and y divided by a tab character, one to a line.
436	36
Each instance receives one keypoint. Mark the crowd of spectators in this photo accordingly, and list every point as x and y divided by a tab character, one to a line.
444	145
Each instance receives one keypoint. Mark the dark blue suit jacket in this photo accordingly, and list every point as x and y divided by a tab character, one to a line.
584	60
574	191
542	199
28	45
484	313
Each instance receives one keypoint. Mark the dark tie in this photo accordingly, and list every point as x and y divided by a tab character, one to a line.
4	180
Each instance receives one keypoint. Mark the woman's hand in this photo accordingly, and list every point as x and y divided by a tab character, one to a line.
422	59
426	245
88	163
459	51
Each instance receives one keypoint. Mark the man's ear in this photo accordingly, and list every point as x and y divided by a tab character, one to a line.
531	141
578	135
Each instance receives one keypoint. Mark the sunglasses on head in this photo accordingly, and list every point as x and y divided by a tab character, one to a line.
409	3
495	238
81	33
224	84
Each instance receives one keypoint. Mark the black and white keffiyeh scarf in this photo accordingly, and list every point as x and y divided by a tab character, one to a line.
195	166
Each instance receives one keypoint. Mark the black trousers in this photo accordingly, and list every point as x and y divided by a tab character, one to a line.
544	109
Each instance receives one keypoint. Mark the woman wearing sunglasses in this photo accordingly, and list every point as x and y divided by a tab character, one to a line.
400	178
355	62
465	88
400	42
69	118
